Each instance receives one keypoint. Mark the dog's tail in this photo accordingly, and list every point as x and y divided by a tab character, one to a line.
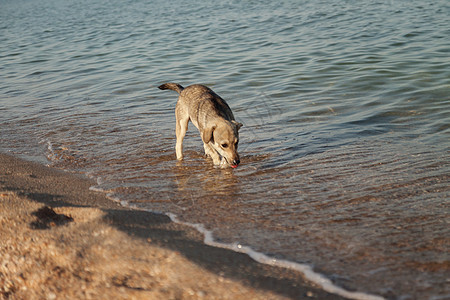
171	86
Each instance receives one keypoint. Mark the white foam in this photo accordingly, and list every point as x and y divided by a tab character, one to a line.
306	270
96	189
51	155
109	194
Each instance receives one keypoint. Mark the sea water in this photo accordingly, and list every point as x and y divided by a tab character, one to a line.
346	112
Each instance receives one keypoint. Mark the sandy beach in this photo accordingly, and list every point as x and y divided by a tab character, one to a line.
60	240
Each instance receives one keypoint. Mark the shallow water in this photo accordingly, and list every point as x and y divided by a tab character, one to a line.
345	106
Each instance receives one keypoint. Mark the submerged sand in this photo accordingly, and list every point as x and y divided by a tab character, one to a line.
58	240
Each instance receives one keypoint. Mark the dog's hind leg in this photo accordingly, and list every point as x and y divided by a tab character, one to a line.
181	128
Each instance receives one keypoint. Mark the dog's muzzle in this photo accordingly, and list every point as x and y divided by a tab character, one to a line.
234	164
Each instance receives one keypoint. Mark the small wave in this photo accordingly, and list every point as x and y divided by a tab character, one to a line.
325	283
306	270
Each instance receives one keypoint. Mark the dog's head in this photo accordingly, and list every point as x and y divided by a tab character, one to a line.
224	138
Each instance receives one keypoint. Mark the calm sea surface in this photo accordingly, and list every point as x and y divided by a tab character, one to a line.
345	106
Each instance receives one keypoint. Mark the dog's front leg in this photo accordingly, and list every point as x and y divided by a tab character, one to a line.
212	153
223	163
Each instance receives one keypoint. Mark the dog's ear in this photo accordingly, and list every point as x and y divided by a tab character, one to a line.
207	134
238	125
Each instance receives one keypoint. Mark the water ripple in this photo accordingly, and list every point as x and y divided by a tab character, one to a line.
345	107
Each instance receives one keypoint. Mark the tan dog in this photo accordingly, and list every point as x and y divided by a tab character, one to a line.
213	118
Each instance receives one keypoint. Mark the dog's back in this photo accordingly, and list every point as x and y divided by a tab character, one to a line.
200	100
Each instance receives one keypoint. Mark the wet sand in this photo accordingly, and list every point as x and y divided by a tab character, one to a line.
58	239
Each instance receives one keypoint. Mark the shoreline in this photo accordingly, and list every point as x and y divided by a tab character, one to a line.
86	245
